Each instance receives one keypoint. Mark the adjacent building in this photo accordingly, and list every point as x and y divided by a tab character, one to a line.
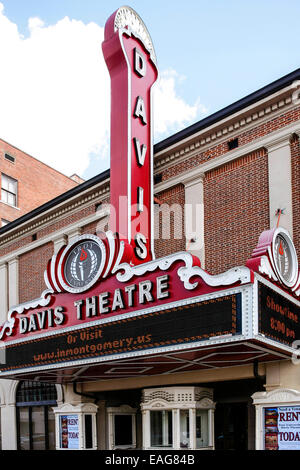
27	183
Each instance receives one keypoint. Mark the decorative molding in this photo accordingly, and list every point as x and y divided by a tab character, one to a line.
73	234
80	408
180	397
282	141
128	21
263	142
238	274
53	236
241	274
59	241
281	395
42	301
193	178
210	135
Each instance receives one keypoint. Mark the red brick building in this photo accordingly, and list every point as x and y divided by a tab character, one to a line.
27	183
238	169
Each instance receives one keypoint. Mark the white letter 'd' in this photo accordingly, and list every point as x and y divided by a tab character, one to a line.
139	63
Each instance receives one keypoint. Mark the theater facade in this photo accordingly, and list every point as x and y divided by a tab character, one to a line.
156	305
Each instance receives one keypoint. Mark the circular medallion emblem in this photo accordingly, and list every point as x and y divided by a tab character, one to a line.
285	257
82	263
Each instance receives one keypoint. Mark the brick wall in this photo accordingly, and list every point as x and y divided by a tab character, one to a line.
236	210
37	182
31	272
295	160
57	224
244	138
173	197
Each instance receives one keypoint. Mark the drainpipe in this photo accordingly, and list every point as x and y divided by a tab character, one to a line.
93	396
256	374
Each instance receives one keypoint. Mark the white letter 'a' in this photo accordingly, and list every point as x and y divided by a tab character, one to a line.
140	151
139	110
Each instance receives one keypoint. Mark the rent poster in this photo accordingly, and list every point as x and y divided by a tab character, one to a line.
69	432
282	428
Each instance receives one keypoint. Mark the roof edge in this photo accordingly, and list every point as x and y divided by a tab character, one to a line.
228	110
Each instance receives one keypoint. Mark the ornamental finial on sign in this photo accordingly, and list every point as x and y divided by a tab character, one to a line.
128	19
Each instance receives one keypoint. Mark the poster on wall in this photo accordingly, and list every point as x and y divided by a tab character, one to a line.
69	432
282	428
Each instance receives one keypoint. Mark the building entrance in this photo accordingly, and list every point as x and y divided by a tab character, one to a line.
231	426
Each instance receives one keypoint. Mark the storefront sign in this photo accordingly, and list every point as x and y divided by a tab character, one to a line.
69	431
131	61
275	258
167	327
279	318
92	280
282	428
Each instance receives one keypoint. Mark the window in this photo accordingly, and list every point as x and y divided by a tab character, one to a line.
202	426
9	188
122	427
35	418
4	222
161	428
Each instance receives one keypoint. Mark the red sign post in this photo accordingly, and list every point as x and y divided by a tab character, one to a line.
130	58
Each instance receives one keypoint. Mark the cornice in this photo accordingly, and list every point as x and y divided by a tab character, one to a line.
225	130
280	395
187	178
59	236
267	141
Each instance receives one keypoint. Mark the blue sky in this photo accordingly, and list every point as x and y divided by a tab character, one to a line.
210	54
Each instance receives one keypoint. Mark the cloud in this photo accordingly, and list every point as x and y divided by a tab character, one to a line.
55	98
170	111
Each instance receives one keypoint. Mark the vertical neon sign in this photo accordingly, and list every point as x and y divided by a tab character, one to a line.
131	61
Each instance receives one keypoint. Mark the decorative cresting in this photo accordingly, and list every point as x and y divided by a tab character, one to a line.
275	257
128	19
177	397
131	61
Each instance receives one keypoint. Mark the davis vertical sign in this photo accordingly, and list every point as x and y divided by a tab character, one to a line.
131	61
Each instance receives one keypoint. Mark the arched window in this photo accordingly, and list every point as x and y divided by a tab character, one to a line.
35	418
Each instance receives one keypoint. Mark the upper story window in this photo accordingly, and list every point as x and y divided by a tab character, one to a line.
9	187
